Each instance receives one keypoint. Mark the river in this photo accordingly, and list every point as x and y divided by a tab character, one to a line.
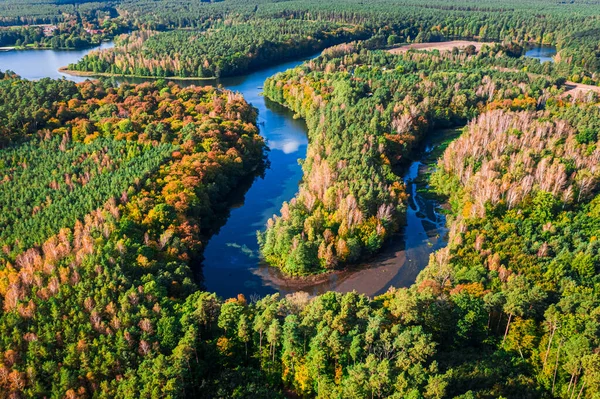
231	262
542	53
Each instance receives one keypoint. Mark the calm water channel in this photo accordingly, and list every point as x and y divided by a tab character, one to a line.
542	53
231	260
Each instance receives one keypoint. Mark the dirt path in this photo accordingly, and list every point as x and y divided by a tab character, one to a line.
441	46
573	89
579	89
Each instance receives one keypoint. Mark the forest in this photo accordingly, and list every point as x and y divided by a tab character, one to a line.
490	307
365	112
120	185
221	51
110	193
522	182
63	37
532	239
185	39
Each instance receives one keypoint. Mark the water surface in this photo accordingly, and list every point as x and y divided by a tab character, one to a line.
38	64
542	53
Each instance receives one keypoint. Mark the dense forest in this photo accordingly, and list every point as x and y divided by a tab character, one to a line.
62	37
107	190
186	38
174	38
520	272
49	24
221	51
524	190
511	314
365	111
109	193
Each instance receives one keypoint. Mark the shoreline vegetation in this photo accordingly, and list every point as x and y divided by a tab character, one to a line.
202	53
22	48
72	72
344	214
381	263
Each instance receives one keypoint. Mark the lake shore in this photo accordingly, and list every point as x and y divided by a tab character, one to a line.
89	74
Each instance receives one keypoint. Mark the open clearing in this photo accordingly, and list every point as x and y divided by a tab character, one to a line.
579	89
441	46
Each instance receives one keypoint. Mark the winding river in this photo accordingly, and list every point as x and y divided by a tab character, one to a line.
231	262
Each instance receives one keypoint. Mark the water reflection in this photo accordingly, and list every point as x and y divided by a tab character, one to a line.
542	53
231	256
38	64
405	254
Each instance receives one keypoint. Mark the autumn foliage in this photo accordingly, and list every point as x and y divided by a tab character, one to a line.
144	170
366	112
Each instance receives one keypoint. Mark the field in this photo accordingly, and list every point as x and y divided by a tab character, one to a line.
440	46
579	89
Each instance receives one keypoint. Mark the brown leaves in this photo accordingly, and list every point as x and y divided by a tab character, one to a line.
505	157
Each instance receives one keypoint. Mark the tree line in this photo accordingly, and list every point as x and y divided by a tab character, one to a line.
385	22
218	52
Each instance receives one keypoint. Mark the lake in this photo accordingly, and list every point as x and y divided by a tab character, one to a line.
38	64
231	262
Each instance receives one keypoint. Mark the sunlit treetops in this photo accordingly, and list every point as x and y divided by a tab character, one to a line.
366	111
119	186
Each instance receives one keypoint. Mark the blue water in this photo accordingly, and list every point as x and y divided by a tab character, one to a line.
231	260
542	53
38	64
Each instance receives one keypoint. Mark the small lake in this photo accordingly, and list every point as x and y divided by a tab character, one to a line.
542	53
231	262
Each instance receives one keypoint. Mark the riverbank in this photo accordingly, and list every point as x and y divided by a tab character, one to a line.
39	63
31	47
404	254
88	74
231	261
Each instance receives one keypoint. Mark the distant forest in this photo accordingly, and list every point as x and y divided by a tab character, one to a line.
312	25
